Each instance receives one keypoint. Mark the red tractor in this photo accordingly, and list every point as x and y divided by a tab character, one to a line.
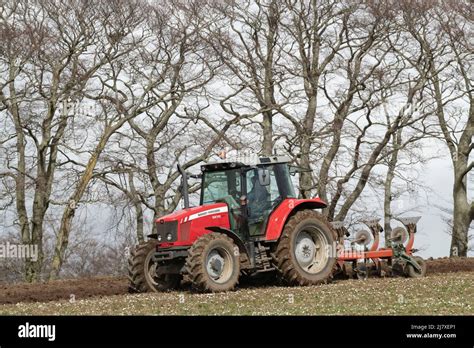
249	222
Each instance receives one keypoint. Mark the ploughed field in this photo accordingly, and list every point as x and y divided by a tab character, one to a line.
447	289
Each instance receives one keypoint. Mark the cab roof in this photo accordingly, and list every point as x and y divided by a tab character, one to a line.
247	161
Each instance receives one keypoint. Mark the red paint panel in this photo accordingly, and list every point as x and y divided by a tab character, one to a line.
278	217
192	222
181	214
349	255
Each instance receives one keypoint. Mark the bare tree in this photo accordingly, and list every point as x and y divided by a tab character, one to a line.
245	37
442	32
43	66
159	139
124	34
320	31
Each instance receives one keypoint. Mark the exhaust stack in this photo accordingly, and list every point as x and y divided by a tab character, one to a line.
184	186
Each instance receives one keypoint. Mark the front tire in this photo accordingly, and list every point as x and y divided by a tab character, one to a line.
142	271
213	263
304	252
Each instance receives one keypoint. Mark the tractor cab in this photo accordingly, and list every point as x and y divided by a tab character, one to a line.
250	190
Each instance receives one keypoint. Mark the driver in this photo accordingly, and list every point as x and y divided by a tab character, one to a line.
258	198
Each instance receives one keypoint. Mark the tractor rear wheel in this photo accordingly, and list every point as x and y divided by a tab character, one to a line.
304	254
213	263
412	272
142	271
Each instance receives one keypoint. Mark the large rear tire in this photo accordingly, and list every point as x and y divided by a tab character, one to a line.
304	253
213	263
142	271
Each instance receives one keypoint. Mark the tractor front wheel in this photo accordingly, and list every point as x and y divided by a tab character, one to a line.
142	271
213	263
304	254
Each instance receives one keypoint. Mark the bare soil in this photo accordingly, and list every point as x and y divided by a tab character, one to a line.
76	289
63	289
447	265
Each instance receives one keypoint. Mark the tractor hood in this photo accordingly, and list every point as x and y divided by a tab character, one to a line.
183	227
189	214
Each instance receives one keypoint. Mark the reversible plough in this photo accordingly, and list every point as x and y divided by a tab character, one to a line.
364	256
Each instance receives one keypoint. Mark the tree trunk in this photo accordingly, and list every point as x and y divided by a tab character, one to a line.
267	145
68	214
365	174
461	223
137	204
306	182
30	271
323	178
462	213
462	217
139	214
387	203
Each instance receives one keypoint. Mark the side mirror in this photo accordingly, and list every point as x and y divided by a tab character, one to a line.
263	177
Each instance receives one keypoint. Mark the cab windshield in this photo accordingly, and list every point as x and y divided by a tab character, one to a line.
221	186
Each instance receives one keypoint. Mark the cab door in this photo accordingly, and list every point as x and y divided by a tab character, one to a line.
224	186
261	199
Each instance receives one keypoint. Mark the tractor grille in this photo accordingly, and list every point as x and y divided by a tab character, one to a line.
167	228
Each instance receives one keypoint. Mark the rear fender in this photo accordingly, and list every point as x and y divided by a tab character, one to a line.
281	214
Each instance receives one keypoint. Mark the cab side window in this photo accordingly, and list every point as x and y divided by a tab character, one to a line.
274	192
215	187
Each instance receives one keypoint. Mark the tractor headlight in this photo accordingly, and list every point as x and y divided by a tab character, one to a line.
169	236
159	237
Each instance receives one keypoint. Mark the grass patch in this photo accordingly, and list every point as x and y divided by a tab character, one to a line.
441	294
